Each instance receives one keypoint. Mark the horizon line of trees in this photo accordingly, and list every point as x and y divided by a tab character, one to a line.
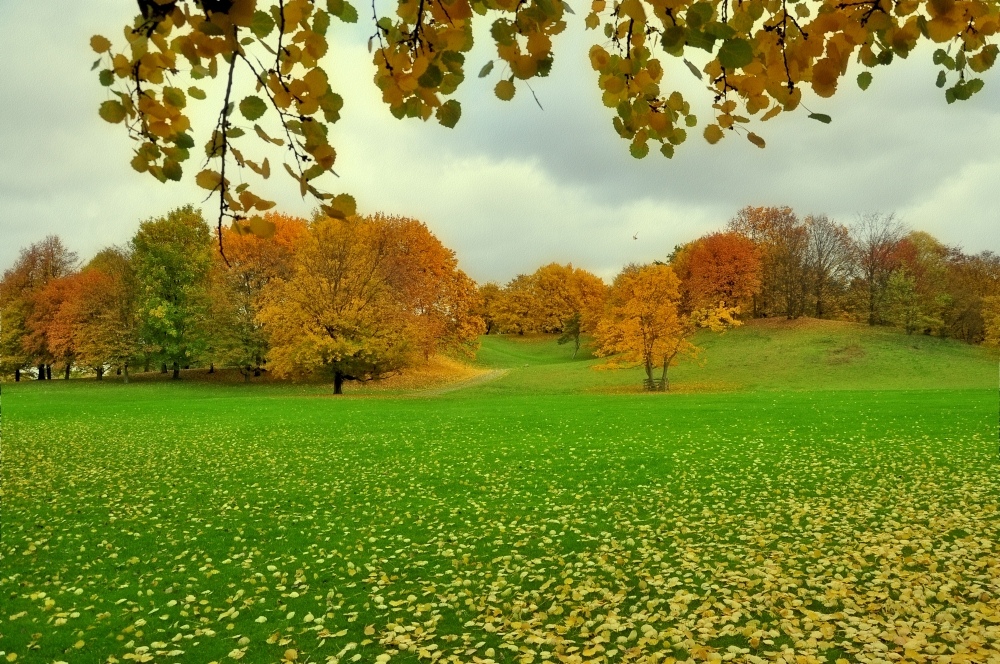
768	262
365	297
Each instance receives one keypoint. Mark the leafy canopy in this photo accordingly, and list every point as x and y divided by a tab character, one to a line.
761	55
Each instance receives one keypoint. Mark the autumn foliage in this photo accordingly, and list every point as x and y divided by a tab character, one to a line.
363	298
719	269
646	323
272	89
546	300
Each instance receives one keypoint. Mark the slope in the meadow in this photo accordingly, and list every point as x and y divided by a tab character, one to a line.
804	354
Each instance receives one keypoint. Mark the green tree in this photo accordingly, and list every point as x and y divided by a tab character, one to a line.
571	332
172	256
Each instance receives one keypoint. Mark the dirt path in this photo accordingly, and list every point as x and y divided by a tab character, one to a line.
462	384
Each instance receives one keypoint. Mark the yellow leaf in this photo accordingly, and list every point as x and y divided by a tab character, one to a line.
112	111
208	179
369	630
713	133
316	81
770	114
100	44
505	90
756	140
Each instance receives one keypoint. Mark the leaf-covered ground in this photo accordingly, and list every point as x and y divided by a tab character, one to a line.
185	523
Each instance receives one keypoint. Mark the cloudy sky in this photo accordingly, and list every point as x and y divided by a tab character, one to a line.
512	186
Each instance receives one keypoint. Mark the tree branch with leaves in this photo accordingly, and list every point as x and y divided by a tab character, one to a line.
760	55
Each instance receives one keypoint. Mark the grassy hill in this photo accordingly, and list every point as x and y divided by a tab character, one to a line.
805	354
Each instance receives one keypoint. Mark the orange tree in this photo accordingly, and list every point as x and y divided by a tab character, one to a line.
719	269
442	301
761	55
49	328
20	286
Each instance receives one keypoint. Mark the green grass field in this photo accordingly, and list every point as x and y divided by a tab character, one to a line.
813	492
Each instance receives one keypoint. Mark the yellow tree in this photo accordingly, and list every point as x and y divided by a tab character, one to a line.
644	325
515	306
991	320
585	295
364	300
236	336
490	296
109	329
561	291
265	56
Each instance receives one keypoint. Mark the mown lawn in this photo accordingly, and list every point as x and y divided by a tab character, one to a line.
188	522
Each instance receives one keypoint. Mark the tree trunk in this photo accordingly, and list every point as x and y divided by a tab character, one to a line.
118	371
100	373
163	368
576	348
41	372
177	371
66	374
666	381
871	303
125	373
17	375
338	383
211	368
146	369
48	372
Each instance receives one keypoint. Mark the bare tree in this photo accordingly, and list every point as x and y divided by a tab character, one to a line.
876	238
828	259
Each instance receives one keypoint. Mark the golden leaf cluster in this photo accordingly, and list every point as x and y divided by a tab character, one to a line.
761	53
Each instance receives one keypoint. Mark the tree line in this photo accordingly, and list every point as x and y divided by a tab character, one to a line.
358	298
769	262
365	297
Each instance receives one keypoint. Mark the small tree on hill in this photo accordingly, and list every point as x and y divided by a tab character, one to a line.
645	325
